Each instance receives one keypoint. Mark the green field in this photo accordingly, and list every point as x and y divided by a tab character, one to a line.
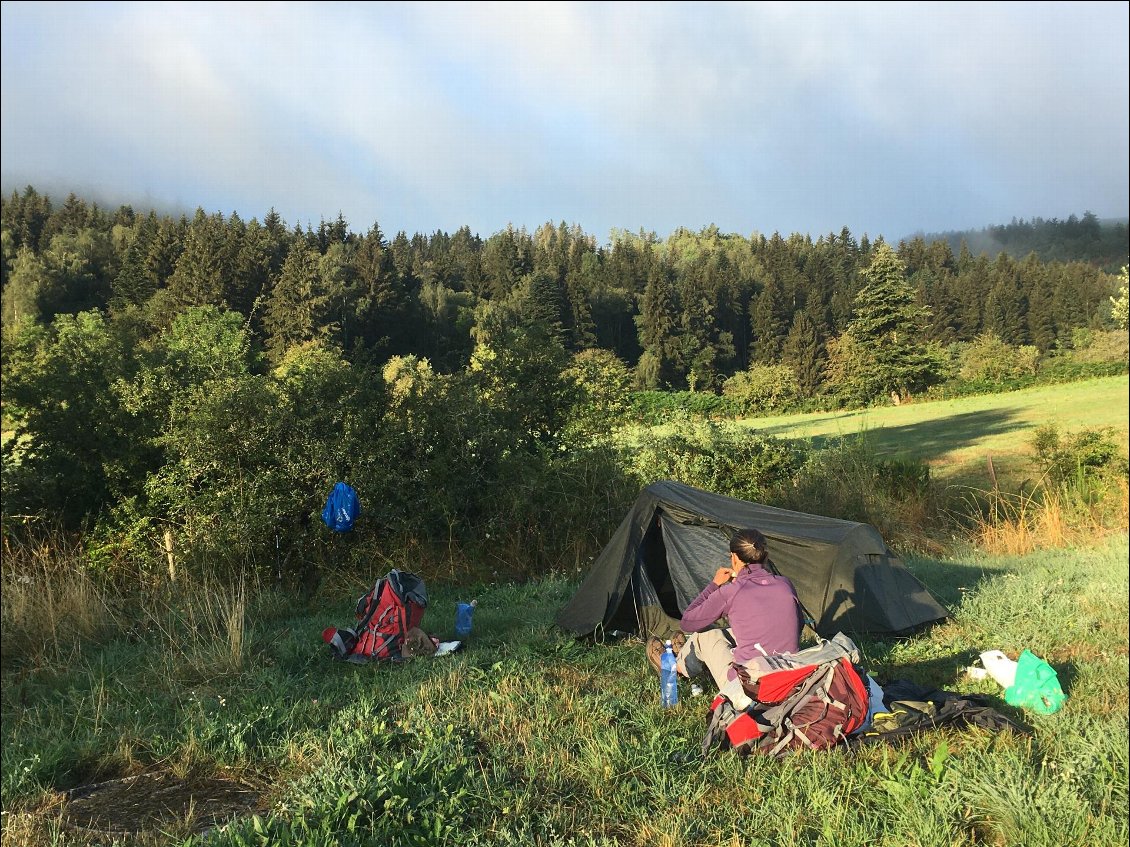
957	436
529	737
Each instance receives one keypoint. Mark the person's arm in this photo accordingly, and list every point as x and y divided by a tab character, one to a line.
706	608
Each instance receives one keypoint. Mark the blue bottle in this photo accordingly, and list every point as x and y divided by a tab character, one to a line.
463	613
669	678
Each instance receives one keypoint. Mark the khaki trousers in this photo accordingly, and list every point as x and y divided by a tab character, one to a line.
713	649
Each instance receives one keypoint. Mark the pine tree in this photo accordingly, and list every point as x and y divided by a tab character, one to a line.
578	282
964	257
465	255
1041	317
299	305
204	268
769	322
658	324
804	353
700	352
72	217
1005	306
545	304
936	292
25	216
132	285
165	249
888	327
971	287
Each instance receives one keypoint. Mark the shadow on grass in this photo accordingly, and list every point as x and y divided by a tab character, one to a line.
935	671
1067	672
925	439
949	581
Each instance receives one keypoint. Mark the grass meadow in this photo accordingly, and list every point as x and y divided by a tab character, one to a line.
531	737
958	436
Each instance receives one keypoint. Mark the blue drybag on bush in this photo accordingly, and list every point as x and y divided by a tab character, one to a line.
342	508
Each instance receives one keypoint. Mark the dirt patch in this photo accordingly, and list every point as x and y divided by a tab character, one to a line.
156	802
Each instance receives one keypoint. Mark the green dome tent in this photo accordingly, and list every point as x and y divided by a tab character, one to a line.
675	537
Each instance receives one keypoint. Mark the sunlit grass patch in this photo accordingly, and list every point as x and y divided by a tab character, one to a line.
529	736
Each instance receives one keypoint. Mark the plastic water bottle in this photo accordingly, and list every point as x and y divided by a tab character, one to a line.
669	678
463	613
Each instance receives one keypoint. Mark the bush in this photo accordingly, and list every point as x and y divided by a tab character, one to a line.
848	480
655	408
988	358
723	459
763	388
1098	347
1054	370
604	384
1085	455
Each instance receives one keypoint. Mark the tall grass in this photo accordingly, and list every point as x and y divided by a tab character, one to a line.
201	627
1080	496
52	602
530	737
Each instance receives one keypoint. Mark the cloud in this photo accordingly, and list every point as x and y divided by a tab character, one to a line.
805	117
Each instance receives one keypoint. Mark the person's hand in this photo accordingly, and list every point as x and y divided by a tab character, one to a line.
723	576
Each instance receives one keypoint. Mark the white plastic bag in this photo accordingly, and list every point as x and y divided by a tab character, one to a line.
1000	667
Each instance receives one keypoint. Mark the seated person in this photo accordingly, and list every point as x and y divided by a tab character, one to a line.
762	610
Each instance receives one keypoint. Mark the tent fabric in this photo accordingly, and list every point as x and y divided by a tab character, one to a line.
674	538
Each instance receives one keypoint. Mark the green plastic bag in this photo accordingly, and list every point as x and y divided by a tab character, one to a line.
1036	686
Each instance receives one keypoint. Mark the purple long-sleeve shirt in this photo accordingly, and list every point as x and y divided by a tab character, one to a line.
762	609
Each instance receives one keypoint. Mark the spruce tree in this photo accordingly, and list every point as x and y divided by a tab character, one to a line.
1006	308
299	305
133	284
769	322
545	304
204	268
804	353
1041	317
889	326
658	324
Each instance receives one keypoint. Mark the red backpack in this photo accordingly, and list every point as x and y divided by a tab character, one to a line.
812	699
395	605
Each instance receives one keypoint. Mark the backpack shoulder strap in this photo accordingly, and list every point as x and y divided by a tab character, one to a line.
374	603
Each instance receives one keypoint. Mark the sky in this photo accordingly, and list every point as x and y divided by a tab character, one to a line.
888	118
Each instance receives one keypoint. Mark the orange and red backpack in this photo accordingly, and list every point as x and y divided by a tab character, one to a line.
395	605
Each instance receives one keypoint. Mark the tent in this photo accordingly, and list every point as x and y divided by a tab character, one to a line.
675	537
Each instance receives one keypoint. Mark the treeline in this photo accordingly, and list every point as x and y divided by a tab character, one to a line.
685	312
1075	239
199	385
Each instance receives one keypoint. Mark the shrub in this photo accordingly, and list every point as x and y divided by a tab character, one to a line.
1120	305
604	383
721	458
988	358
1098	347
763	388
655	408
1085	455
850	481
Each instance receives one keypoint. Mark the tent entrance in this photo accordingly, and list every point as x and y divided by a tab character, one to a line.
653	573
655	607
